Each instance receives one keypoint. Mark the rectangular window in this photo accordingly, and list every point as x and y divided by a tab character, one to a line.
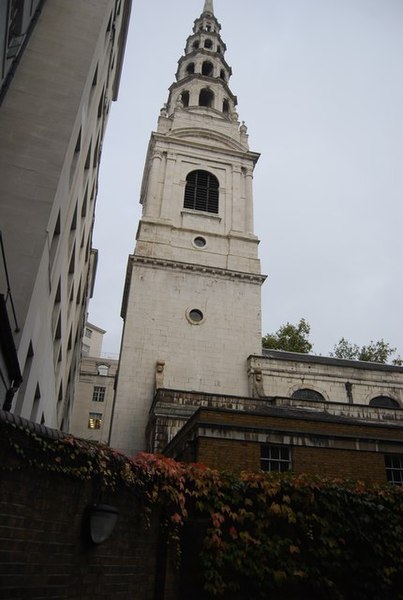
98	394
94	420
394	468
275	458
88	332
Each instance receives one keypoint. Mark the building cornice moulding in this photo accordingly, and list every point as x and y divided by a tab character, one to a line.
194	268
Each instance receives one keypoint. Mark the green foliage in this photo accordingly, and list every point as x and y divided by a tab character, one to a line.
379	352
298	537
290	338
285	537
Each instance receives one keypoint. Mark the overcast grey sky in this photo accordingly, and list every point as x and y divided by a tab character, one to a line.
320	87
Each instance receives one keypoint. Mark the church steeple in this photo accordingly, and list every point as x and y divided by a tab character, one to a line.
192	295
208	7
203	74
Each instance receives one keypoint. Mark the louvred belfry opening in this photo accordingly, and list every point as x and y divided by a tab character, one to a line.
201	192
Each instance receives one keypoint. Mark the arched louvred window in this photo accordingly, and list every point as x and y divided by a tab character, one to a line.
207	68
201	192
185	97
190	68
206	98
383	402
306	394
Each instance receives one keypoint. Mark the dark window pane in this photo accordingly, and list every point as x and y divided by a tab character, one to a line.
201	192
306	394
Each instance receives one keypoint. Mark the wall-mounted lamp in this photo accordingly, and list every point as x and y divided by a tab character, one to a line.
102	521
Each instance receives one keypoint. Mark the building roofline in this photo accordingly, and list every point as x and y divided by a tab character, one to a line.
96	327
121	47
326	360
285	413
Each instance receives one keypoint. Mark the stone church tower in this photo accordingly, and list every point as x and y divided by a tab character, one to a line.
191	304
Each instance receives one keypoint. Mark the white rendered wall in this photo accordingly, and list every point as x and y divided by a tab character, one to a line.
208	357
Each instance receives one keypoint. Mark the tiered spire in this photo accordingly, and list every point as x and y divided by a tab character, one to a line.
203	73
208	7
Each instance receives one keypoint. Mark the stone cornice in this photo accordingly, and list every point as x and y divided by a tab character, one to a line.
230	146
174	265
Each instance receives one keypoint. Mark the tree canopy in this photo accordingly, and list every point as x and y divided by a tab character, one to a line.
295	338
290	338
380	352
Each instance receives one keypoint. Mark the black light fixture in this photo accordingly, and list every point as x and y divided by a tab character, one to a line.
102	521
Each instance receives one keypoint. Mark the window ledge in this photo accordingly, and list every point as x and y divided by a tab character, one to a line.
201	213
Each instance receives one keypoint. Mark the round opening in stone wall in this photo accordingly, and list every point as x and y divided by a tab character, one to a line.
196	315
199	241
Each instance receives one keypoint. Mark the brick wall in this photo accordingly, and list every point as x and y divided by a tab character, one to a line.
245	456
229	455
44	549
369	466
342	448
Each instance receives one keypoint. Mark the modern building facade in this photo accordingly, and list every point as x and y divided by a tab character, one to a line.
17	21
56	97
95	389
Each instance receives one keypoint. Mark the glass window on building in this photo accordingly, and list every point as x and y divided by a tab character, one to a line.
94	420
98	395
394	468
275	458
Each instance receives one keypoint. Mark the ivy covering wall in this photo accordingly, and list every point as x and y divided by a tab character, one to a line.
262	536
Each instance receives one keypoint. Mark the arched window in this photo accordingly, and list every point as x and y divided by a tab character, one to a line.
207	68
306	394
201	192
190	68
185	98
383	402
225	106
206	98
208	44
195	44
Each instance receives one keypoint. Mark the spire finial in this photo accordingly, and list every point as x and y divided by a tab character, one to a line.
208	7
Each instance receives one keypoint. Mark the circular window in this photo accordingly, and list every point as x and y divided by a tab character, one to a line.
195	315
199	241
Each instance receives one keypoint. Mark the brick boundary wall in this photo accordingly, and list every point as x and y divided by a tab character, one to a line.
44	552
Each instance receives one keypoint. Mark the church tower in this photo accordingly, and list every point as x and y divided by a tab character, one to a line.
191	304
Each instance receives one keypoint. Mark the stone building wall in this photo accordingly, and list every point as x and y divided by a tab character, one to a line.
283	373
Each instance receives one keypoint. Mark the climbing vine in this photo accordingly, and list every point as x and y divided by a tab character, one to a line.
264	536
